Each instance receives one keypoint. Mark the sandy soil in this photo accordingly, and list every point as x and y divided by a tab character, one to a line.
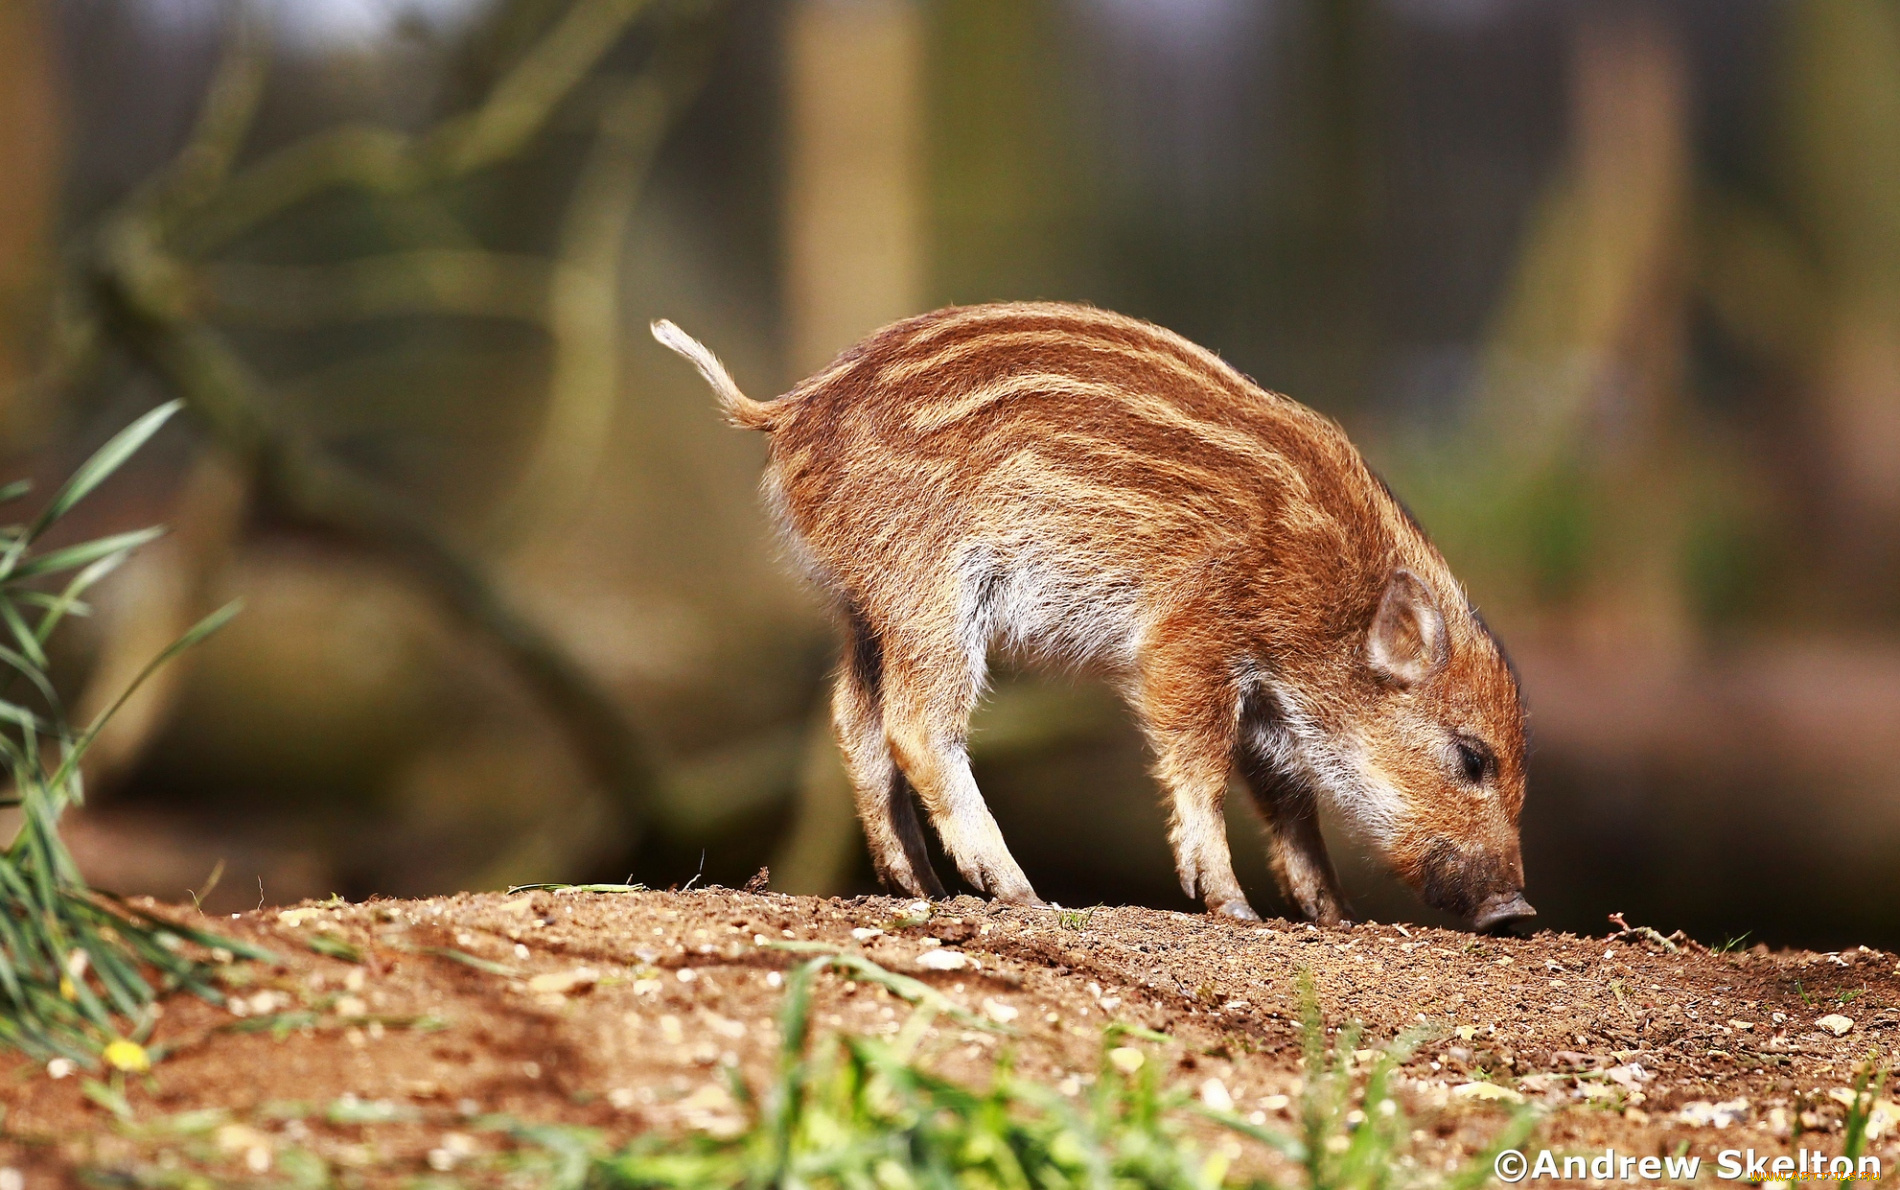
616	1011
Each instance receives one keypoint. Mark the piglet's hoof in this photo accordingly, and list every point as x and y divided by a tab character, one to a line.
1025	897
1335	915
1235	911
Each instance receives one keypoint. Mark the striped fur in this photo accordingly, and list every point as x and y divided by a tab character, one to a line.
1088	489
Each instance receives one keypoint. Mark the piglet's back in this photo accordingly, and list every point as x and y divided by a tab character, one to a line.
1063	428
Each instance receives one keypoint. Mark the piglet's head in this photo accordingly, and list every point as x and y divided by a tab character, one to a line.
1443	735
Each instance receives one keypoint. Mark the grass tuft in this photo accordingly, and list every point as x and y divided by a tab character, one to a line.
846	1112
1869	1081
853	1111
79	969
1076	919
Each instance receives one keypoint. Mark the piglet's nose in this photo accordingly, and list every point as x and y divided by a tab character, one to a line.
1501	911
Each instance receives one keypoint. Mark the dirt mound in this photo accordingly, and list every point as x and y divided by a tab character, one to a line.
389	1029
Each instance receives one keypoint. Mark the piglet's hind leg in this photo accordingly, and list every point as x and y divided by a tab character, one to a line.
884	799
926	719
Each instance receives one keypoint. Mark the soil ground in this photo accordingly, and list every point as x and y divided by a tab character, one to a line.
616	1010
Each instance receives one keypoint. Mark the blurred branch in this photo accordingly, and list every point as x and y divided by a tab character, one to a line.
390	162
148	289
294	479
365	157
583	315
575	299
522	101
224	121
451	281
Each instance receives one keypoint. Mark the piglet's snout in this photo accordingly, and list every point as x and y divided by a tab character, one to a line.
1501	911
1480	885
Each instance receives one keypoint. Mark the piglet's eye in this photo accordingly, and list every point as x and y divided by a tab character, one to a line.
1474	761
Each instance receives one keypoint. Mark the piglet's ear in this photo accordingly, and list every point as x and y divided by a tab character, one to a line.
1406	643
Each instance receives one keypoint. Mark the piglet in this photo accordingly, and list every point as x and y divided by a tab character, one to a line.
1090	490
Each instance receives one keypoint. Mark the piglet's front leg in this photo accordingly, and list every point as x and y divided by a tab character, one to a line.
1294	843
1188	713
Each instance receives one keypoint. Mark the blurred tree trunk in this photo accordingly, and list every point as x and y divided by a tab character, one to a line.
1844	110
1339	153
1010	192
1811	284
854	257
854	261
1583	373
30	139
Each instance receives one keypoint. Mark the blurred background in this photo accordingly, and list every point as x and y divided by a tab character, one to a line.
1609	291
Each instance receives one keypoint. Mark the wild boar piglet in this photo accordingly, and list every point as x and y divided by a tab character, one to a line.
1088	489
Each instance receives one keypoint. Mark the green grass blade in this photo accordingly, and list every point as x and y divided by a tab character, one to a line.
120	979
1273	1138
97	469
79	555
13	712
458	956
67	603
913	991
50	1005
1867	1087
1479	1170
25	637
45	602
192	636
12	949
32	673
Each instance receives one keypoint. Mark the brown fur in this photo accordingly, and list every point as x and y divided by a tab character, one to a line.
1092	489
